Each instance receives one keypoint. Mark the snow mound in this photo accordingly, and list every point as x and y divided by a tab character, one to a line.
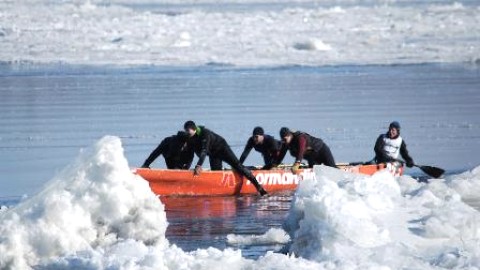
94	203
355	221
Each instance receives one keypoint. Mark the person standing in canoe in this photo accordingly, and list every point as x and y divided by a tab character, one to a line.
174	150
205	142
390	146
266	145
304	146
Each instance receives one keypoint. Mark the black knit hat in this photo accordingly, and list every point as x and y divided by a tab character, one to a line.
394	124
258	131
284	131
189	125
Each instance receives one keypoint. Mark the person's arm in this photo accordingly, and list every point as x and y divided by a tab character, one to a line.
380	155
302	146
155	154
404	153
205	141
187	158
276	155
246	151
281	154
268	161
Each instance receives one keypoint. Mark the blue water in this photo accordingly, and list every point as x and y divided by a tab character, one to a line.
49	113
202	222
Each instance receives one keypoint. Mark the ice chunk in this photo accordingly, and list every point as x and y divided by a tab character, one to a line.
312	45
272	236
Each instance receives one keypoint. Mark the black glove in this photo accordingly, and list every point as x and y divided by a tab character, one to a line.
410	163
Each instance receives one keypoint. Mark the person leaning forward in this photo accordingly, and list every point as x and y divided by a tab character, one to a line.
304	146
175	152
205	142
264	144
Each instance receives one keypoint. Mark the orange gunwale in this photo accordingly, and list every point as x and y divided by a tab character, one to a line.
228	182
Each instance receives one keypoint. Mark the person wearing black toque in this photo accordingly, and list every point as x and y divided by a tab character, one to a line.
205	142
389	146
304	146
174	150
264	144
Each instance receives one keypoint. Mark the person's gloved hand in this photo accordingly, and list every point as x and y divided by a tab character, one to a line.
197	170
410	164
296	167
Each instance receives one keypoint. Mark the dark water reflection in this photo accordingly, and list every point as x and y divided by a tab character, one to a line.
202	222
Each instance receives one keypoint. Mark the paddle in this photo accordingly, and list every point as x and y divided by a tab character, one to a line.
431	171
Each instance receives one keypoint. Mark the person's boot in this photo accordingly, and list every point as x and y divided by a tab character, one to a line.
254	181
262	191
259	187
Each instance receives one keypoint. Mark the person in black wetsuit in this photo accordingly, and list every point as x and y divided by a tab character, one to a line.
389	146
175	151
266	145
304	146
205	142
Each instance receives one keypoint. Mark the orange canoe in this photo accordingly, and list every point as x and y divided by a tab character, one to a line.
228	182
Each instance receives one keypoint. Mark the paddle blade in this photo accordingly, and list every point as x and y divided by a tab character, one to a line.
432	171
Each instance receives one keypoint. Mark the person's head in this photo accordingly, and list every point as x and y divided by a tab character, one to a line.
258	135
190	128
394	130
286	135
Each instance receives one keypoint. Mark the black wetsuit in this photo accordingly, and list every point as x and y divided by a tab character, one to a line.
305	146
176	155
381	156
270	150
206	142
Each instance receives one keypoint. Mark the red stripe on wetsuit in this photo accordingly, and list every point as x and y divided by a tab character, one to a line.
302	147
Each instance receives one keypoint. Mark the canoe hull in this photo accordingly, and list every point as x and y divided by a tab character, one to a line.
396	169
227	182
